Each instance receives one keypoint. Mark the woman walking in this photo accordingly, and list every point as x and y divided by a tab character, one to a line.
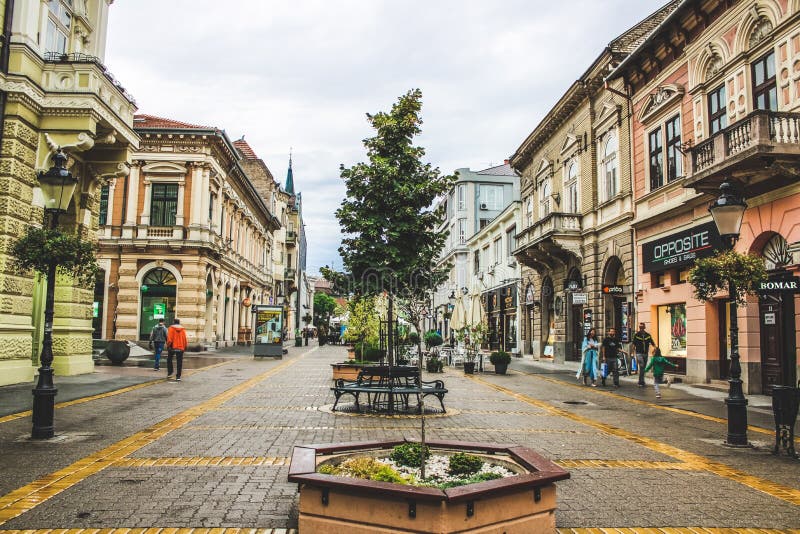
589	361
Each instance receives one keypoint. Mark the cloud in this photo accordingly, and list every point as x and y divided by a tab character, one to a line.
302	74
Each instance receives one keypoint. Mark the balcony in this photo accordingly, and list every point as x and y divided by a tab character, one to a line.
550	242
291	238
760	152
289	273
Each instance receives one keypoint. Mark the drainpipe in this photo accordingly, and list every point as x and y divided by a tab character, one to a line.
4	55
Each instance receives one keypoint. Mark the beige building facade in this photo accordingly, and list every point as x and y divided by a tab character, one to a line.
575	242
55	93
186	235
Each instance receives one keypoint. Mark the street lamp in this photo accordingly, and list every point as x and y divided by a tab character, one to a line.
58	186
728	211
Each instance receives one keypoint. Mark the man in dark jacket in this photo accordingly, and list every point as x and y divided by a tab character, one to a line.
158	336
642	343
610	350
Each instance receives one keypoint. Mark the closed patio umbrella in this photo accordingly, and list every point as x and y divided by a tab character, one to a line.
458	319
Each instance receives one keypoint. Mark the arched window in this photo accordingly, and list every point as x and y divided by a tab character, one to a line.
544	199
609	171
571	188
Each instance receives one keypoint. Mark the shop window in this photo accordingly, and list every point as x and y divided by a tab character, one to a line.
683	276
659	279
765	94
672	329
717	110
103	205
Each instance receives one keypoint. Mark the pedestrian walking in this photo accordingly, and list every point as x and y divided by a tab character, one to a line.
642	345
657	362
589	368
158	337
176	345
609	352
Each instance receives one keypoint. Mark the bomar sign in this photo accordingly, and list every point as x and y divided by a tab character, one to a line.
788	284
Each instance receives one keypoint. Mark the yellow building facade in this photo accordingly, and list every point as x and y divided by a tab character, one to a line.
55	93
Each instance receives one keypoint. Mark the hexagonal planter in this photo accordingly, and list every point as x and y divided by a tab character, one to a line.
523	504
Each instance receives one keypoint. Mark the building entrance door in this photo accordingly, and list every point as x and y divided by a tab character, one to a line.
774	344
575	332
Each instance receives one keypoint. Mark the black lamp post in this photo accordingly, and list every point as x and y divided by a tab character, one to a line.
728	211
58	186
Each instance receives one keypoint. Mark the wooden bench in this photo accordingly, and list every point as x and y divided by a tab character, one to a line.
383	385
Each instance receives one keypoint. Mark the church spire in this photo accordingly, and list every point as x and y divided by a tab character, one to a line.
289	176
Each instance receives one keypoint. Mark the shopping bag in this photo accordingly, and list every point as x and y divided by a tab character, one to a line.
604	369
634	365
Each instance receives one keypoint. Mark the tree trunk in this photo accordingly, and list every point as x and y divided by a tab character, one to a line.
389	331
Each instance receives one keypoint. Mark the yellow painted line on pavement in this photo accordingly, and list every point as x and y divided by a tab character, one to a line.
624	464
699	462
651	404
203	461
188	372
31	495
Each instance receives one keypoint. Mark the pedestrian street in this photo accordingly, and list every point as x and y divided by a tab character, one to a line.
213	450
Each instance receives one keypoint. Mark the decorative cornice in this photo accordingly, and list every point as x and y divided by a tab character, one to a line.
661	98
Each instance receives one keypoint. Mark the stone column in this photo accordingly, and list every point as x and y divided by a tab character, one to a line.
112	186
128	300
129	225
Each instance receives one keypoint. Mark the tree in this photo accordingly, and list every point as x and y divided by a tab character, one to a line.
388	216
324	305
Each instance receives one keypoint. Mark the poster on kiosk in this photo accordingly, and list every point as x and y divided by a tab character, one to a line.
269	331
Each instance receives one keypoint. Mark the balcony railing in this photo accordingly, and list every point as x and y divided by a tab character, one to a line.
553	224
772	130
291	237
77	57
289	273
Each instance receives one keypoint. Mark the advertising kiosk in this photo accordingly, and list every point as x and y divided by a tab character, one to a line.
269	331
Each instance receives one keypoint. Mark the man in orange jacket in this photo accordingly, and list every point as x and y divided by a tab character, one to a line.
176	345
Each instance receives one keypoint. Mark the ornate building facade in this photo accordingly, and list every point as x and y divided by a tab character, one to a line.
575	243
716	97
55	93
186	235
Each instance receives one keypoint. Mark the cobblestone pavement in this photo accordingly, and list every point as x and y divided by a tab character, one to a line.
212	452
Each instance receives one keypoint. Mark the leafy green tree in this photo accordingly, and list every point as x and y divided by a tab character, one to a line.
388	216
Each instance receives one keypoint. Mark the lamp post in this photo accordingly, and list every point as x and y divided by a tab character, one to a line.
58	186
728	211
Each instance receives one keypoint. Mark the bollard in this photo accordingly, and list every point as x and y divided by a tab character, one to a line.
785	401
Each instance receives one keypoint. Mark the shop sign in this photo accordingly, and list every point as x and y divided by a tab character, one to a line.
613	290
159	310
529	296
573	285
788	284
587	321
769	318
682	248
580	298
625	331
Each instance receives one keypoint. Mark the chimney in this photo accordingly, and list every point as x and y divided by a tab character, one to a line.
506	161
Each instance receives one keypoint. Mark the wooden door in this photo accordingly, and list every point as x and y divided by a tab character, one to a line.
772	342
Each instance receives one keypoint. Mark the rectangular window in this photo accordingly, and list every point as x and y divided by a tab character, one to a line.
491	197
59	23
765	95
511	241
529	211
289	261
572	197
212	200
103	205
462	231
222	222
485	257
656	149
717	110
163	204
498	250
484	223
476	261
462	193
674	156
672	329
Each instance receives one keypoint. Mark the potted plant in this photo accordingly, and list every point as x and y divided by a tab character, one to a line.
434	364
469	361
413	338
500	359
433	339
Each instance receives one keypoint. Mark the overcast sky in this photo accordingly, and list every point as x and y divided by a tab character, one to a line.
302	74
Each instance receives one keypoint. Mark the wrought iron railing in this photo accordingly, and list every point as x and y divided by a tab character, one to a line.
78	57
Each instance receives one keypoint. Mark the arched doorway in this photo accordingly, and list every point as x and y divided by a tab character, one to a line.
615	314
777	315
208	332
547	333
158	289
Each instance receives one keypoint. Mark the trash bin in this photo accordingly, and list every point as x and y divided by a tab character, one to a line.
785	401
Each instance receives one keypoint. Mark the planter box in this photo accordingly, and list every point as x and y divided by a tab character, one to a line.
523	504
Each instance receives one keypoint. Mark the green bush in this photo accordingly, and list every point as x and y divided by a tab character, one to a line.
462	463
328	469
364	467
480	477
413	338
409	454
500	357
433	339
373	354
